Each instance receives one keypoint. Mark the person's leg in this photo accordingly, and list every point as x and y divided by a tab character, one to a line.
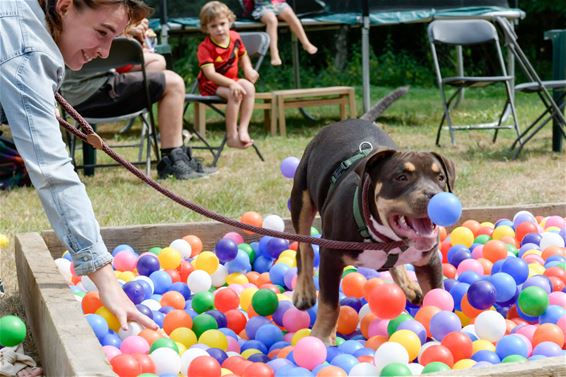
154	62
170	111
270	21
232	109
289	16
246	110
30	372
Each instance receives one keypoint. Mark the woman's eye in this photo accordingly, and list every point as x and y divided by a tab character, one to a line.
102	33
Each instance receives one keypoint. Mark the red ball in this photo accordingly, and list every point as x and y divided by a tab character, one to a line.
448	270
437	352
494	250
226	299
557	284
236	364
175	275
126	365
185	269
388	301
204	366
524	228
146	362
459	344
258	370
236	320
557	272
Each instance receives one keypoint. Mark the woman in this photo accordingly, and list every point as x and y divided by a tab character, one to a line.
37	40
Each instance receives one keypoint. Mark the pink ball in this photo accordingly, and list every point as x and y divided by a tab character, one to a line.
238	288
309	352
111	352
477	253
233	344
470	265
528	331
295	319
562	324
288	337
440	298
555	221
557	298
125	261
378	326
234	236
134	344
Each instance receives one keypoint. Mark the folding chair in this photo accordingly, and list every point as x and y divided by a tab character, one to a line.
124	51
552	109
257	45
467	33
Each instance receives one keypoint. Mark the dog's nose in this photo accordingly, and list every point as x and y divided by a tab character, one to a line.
430	194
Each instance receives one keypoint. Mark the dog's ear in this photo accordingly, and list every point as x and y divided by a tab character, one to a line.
449	170
372	159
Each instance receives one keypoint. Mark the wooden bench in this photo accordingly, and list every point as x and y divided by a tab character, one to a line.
296	98
264	101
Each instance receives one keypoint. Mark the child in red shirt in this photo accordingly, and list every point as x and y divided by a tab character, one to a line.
219	57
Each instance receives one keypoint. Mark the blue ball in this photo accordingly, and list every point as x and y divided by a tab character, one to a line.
552	314
97	324
511	345
135	291
457	292
481	294
161	281
218	354
505	286
226	250
147	264
345	361
517	268
276	246
486	355
144	310
111	339
350	346
444	209
269	334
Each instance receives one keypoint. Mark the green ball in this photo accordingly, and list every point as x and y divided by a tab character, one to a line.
203	322
533	301
339	340
246	247
164	342
435	366
12	331
203	301
155	250
514	359
395	322
511	249
482	239
314	232
265	302
395	369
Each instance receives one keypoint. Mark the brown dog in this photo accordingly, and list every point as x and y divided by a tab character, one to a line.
365	190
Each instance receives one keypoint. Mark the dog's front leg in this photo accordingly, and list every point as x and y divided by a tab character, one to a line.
410	288
429	275
330	271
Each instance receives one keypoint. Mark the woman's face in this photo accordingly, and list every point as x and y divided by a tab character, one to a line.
88	34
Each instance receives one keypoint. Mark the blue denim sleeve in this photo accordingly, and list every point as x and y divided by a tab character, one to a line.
27	86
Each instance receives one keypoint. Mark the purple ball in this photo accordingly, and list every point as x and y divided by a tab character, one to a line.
144	310
443	323
540	281
219	317
548	349
218	354
481	294
276	246
147	264
135	291
226	250
289	166
280	311
253	324
531	238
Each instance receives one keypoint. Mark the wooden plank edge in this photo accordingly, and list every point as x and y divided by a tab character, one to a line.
550	367
66	344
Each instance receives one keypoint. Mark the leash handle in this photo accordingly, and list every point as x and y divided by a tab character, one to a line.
87	134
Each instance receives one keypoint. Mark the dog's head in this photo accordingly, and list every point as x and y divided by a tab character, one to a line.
402	184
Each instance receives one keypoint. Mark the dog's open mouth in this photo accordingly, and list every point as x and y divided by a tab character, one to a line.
412	228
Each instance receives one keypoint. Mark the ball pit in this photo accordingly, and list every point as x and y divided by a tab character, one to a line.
510	309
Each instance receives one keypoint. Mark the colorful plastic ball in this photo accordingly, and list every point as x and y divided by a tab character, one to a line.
444	209
533	301
199	281
226	299
443	323
166	360
547	349
395	369
459	344
264	302
415	327
347	320
436	352
511	345
273	222
214	338
409	340
289	166
505	286
550	239
169	258
440	298
125	365
388	301
481	294
161	281
12	331
134	344
164	343
390	352
125	261
456	254
135	291
98	325
494	250
295	319
490	325
275	246
435	366
202	301
548	332
175	319
309	352
226	250
207	261
462	236
486	356
269	334
251	218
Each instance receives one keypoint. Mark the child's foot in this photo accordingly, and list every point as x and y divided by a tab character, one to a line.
245	139
276	61
236	143
30	372
310	48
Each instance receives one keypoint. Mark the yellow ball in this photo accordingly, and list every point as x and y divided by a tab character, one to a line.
246	297
250	351
536	269
169	258
488	224
184	336
4	242
291	262
224	372
214	339
532	251
288	254
409	340
482	344
127	276
110	318
464	364
181	347
464	319
281	297
462	236
502	231
300	334
237	278
207	261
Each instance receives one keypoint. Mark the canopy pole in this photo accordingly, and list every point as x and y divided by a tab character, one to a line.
365	55
164	19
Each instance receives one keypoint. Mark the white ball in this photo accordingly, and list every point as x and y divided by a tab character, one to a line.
490	325
390	352
363	370
219	276
416	369
182	247
550	239
188	356
133	329
273	222
166	361
147	280
151	304
64	267
88	284
199	281
363	311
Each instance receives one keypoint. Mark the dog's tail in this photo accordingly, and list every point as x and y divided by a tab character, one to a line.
384	103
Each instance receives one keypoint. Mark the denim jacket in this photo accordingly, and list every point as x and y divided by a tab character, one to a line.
31	71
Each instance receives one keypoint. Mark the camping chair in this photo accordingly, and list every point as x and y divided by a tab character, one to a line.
257	45
124	51
534	85
460	33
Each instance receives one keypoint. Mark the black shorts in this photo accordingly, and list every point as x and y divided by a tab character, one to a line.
122	94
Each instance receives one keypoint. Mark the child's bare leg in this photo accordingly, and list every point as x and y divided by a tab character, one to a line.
232	108
270	21
246	110
289	16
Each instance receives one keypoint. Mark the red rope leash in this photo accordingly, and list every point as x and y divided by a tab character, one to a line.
88	135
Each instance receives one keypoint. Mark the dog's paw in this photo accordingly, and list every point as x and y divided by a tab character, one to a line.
304	296
413	293
328	340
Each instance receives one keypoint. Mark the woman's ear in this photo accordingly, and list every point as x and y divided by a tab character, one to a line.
63	6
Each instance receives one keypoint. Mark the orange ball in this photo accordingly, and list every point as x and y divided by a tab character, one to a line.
424	316
494	250
353	285
442	233
331	371
472	225
196	244
251	218
557	272
176	318
375	341
174	299
556	283
485	230
91	302
150	335
175	275
486	265
370	285
263	278
448	270
258	369
226	299
347	320
468	309
437	352
459	344
553	250
364	323
548	332
252	277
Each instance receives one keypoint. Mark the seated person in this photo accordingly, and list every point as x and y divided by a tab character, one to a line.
219	56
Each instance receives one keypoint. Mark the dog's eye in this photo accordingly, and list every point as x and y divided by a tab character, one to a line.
401	178
441	177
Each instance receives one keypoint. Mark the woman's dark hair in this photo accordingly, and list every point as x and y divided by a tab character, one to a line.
137	11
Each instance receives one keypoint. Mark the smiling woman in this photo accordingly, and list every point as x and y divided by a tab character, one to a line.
38	39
